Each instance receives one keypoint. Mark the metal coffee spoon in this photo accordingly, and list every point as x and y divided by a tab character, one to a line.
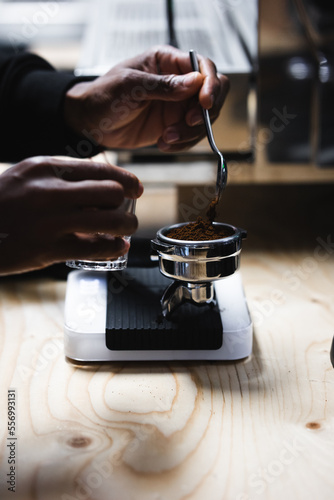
222	167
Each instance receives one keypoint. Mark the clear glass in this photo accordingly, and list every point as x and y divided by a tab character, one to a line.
117	264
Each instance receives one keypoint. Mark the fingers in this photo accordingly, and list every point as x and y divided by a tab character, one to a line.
78	183
186	140
169	87
213	86
169	76
162	59
92	235
54	210
189	130
91	247
92	221
88	194
75	171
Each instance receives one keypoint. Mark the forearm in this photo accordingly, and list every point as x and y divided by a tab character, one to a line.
31	108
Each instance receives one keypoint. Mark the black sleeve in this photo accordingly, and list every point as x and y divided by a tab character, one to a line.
31	110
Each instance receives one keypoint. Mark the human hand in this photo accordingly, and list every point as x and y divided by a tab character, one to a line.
53	210
154	98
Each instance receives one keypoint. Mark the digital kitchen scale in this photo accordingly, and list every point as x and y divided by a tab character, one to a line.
139	314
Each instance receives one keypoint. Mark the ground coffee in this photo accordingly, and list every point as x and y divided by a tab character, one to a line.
201	229
212	210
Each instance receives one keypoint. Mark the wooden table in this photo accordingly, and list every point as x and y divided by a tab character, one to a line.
260	428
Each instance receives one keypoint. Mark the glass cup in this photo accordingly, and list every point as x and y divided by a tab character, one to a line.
117	264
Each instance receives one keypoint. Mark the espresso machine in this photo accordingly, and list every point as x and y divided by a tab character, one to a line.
186	302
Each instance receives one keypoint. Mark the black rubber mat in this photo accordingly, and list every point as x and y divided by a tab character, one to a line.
135	321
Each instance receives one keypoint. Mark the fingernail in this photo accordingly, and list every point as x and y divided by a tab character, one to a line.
196	120
171	136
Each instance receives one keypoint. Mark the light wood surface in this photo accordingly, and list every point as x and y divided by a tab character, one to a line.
261	428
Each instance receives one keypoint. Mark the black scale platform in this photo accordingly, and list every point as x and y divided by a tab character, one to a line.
134	319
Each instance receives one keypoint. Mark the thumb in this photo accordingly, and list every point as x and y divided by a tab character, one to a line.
172	87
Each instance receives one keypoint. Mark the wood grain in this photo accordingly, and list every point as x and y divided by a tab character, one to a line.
261	428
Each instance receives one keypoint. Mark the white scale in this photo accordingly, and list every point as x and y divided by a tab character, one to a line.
86	313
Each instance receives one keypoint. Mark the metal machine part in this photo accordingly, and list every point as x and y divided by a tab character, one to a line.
179	292
195	265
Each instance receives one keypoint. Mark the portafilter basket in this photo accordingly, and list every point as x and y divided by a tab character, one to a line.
195	265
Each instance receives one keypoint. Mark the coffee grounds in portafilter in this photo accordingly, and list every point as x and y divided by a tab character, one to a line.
201	229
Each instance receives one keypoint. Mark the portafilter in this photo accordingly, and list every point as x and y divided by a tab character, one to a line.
195	265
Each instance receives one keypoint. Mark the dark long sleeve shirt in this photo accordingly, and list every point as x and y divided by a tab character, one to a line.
31	104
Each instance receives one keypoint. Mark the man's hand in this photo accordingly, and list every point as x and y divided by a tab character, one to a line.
53	210
154	98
